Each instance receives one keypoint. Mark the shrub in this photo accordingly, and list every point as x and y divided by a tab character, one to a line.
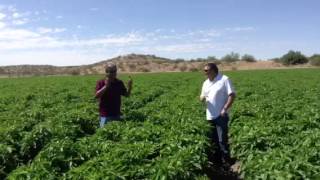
179	60
234	68
293	58
211	58
277	60
232	57
183	68
75	72
194	69
315	60
200	59
120	65
248	58
132	67
2	71
144	69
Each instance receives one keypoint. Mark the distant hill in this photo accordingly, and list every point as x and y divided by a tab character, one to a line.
131	63
127	63
30	70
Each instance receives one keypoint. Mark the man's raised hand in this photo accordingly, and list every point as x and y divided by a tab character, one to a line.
130	82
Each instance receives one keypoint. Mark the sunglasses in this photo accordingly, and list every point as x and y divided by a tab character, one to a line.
206	70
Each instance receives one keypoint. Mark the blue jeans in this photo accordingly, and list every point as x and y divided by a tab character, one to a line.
219	134
105	119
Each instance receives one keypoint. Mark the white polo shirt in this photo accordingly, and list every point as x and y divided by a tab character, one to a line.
216	93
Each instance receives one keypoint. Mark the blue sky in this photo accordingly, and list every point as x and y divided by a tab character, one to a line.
76	32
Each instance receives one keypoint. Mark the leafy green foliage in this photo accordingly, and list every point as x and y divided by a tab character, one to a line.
275	126
248	58
232	57
49	128
61	139
293	58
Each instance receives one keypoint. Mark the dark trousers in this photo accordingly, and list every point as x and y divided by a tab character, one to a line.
219	136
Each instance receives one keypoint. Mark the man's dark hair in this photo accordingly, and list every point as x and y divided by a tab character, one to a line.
213	67
110	67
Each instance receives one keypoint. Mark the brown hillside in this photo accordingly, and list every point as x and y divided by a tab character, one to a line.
133	63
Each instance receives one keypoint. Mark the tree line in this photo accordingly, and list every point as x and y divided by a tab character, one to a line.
290	58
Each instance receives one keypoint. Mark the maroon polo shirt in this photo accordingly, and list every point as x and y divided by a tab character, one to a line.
110	101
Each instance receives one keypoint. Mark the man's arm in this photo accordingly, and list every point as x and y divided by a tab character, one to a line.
202	98
228	104
202	95
128	92
102	90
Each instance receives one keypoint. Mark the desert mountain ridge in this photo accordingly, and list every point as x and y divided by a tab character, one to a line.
133	63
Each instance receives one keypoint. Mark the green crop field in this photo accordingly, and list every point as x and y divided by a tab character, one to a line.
49	127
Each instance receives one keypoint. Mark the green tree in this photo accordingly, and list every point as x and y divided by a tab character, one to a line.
179	60
277	60
293	58
200	59
232	57
212	58
248	58
315	60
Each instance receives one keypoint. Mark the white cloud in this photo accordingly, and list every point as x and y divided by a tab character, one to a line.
19	18
159	30
59	17
58	57
16	34
16	15
172	34
204	33
20	21
43	30
2	25
21	39
46	42
237	29
212	33
59	30
11	8
183	48
111	40
167	37
205	40
94	9
2	16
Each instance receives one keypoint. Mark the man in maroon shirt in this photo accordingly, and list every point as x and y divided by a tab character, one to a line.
109	92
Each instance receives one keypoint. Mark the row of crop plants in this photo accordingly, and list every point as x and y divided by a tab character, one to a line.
275	130
59	109
158	140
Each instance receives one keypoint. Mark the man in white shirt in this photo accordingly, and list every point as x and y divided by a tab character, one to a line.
218	93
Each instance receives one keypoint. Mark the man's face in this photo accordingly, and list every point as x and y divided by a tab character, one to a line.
209	72
111	73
